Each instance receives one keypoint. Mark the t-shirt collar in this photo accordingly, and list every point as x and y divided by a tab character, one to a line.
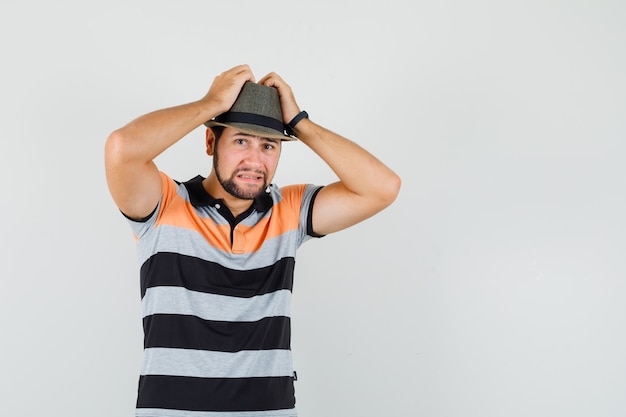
199	197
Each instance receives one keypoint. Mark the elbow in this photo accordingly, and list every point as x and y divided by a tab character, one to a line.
118	148
387	190
392	188
114	145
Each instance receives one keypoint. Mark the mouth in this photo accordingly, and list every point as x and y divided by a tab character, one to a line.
249	176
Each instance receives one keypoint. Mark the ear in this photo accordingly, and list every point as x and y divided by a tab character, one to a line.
210	141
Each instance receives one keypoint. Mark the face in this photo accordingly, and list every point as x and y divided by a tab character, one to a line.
245	164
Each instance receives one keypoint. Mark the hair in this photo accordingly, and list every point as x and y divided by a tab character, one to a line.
217	131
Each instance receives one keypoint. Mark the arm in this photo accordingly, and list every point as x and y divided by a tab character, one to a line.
132	177
365	187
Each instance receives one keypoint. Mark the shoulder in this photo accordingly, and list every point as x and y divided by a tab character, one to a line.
296	196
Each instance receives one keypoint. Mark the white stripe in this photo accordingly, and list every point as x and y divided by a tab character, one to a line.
176	300
209	364
190	242
157	412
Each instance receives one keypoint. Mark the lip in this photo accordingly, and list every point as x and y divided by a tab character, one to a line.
248	176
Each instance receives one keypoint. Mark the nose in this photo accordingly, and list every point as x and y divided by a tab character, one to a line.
254	155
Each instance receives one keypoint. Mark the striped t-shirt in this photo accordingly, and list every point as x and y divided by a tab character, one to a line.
216	297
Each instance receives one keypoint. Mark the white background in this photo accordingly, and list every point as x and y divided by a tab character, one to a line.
495	284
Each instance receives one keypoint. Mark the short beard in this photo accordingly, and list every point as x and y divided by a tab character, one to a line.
232	188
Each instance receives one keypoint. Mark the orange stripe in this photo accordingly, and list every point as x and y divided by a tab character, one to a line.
179	213
250	239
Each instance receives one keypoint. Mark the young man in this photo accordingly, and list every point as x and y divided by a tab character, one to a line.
217	254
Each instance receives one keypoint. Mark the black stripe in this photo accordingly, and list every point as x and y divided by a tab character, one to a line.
216	394
189	332
309	223
171	269
252	119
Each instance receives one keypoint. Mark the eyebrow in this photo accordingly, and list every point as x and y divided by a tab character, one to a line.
272	140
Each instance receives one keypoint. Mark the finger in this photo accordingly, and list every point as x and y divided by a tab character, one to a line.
272	79
241	71
239	68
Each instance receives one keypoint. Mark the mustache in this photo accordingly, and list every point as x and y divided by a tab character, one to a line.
262	173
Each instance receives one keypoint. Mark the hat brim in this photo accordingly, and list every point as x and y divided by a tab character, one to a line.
255	130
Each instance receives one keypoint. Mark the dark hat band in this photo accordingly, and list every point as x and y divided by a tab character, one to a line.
250	118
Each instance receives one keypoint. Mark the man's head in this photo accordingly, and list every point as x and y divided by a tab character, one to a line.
256	111
243	164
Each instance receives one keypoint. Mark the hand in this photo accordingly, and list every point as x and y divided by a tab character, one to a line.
287	99
227	86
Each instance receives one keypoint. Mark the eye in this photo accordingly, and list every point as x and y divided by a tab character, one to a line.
240	141
269	146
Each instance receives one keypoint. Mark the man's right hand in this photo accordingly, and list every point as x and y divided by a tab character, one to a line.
226	87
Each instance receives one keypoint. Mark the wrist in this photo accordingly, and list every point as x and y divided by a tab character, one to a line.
291	126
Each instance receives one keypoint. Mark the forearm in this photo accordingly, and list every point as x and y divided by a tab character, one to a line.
144	138
357	169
